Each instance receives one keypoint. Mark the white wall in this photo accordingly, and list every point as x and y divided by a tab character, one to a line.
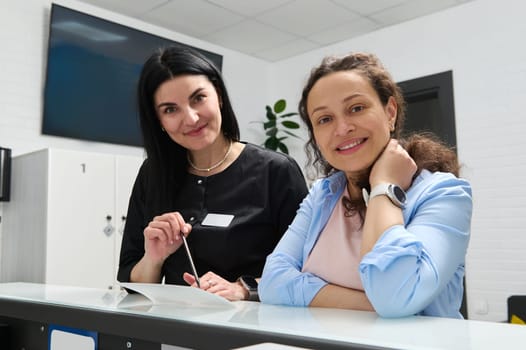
24	38
483	43
24	29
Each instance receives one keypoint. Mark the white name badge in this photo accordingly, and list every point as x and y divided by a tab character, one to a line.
220	220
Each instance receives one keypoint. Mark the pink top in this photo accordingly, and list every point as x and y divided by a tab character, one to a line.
336	255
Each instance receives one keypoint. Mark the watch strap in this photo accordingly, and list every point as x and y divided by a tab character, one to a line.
380	190
253	295
252	292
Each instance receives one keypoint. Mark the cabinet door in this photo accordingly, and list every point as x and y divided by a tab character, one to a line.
81	206
126	169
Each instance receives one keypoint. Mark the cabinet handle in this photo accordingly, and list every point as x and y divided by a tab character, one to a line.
123	222
108	229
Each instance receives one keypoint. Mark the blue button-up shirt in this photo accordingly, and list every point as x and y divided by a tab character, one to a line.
415	268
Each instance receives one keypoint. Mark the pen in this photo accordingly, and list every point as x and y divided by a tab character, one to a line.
194	271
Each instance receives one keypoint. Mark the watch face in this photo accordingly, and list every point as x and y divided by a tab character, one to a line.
399	194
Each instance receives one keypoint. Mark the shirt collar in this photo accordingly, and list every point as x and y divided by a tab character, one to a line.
335	182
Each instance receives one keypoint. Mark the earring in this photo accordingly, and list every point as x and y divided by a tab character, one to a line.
163	129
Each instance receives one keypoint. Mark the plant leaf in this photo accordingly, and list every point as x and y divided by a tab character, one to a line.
288	115
269	124
280	106
289	124
272	143
270	114
283	148
275	125
272	132
291	134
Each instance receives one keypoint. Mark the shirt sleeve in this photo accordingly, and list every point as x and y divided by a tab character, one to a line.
409	266
282	281
288	189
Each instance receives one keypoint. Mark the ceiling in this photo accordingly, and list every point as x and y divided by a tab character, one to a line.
273	30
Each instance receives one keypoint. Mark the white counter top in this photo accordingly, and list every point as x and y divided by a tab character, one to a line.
354	327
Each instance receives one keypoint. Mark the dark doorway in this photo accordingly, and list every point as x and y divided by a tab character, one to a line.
430	106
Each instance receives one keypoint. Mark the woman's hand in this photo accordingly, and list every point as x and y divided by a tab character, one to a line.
162	236
215	284
394	165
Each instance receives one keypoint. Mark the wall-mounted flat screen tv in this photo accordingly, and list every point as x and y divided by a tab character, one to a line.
93	66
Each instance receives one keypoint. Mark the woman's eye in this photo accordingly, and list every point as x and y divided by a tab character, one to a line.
355	109
169	110
199	98
324	120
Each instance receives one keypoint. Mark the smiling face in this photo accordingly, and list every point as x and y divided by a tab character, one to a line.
188	109
350	125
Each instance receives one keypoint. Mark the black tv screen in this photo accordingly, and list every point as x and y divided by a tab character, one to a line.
93	66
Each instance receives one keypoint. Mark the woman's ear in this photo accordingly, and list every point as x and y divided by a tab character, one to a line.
391	110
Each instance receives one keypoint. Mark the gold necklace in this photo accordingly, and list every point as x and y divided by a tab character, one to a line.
213	166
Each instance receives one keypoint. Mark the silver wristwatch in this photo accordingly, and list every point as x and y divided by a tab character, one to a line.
394	192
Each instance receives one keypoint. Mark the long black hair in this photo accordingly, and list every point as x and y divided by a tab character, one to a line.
166	159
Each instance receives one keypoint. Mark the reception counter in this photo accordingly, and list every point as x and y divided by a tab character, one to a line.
118	320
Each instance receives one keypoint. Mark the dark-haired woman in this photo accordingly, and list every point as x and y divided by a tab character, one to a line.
233	200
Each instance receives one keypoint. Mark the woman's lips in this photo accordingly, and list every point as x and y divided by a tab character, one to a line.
350	146
196	131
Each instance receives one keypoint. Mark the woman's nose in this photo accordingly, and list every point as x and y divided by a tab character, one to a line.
343	126
191	116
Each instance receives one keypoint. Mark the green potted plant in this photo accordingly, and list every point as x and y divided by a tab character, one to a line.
278	123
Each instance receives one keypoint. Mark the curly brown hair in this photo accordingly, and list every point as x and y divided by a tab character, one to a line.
427	150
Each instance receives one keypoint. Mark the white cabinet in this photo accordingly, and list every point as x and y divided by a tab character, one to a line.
64	222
